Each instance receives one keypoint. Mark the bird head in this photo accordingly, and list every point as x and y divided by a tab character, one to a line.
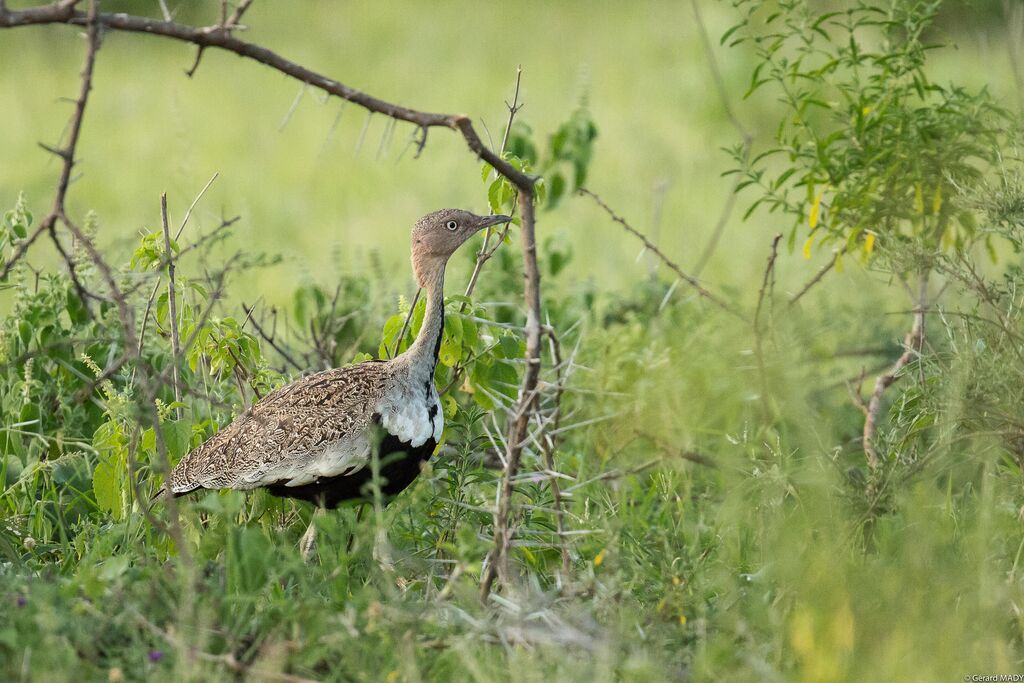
436	236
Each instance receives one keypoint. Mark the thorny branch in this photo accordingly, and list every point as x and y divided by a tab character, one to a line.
689	279
219	37
548	444
485	254
67	153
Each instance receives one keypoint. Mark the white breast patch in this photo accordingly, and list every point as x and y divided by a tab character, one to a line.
405	414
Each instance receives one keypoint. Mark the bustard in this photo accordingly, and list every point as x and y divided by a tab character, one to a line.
313	439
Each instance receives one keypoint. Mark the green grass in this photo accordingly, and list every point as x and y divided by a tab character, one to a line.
772	564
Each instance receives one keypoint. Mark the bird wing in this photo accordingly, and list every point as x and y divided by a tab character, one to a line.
315	426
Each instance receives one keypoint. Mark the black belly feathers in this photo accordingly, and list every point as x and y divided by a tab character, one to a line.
400	464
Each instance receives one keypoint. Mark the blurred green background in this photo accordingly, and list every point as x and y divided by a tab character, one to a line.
323	202
775	583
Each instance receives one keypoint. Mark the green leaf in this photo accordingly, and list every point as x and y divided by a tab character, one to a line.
177	436
104	487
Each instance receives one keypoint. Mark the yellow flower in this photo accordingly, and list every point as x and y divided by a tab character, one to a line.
599	558
815	212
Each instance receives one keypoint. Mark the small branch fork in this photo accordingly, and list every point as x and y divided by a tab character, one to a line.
913	343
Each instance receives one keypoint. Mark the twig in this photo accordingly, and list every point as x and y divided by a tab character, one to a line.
66	153
192	206
818	276
498	564
748	139
227	659
758	337
405	326
689	279
270	340
236	16
216	37
484	254
768	274
172	298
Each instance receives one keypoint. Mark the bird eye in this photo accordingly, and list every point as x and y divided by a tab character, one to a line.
452	225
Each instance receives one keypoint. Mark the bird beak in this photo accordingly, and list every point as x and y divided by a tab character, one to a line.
488	221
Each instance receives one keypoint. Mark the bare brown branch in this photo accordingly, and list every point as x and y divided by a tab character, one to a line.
520	420
913	342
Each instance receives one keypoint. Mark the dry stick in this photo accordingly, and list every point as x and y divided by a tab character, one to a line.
405	326
689	279
236	16
172	298
768	274
748	139
483	256
912	343
498	564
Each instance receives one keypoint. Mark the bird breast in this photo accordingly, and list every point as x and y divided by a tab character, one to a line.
411	412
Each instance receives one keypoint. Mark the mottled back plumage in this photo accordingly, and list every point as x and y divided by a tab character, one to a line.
287	429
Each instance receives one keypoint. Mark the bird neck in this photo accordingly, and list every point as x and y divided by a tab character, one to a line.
428	343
